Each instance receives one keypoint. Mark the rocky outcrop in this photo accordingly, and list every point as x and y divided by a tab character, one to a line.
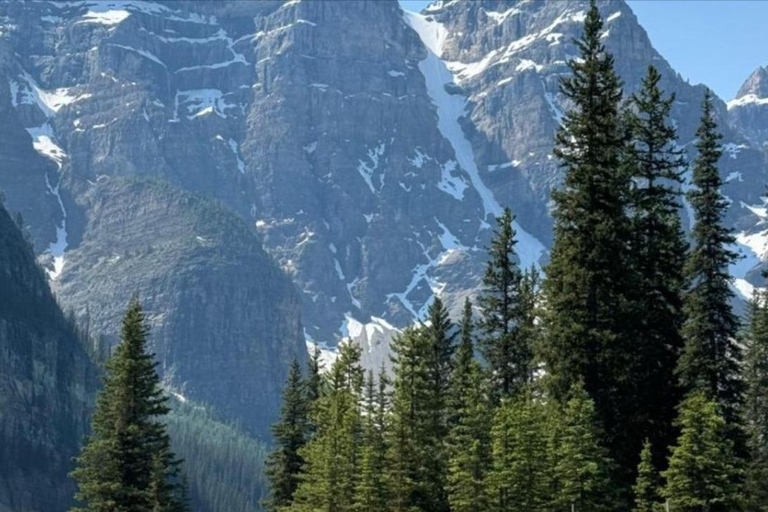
748	112
225	320
46	384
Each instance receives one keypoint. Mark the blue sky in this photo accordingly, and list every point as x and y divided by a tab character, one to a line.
714	42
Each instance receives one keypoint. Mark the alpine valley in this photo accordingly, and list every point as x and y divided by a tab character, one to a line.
268	176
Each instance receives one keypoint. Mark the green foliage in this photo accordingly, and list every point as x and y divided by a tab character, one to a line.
126	463
582	465
224	465
372	491
710	358
507	352
590	282
646	489
521	474
409	435
331	472
659	249
703	473
756	404
469	438
285	462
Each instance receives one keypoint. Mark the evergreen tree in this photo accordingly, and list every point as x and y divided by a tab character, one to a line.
408	433
756	404
589	281
520	477
582	467
285	463
509	356
703	471
710	359
469	437
439	335
659	249
330	476
314	380
646	488
372	492
127	464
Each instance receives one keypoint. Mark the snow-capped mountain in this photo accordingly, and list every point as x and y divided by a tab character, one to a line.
366	148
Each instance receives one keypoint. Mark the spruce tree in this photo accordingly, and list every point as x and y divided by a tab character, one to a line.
520	476
509	356
314	380
127	464
469	437
710	359
582	466
756	404
646	490
589	280
285	462
659	249
703	471
330	476
372	491
439	335
409	436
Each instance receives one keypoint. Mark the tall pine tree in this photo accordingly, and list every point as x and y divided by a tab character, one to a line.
703	471
508	354
285	461
710	359
582	465
372	490
520	477
589	281
127	464
659	250
408	433
756	403
646	490
330	476
468	440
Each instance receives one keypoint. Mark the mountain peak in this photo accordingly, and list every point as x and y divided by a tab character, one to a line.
754	89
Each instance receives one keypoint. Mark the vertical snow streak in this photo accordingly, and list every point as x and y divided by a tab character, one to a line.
450	109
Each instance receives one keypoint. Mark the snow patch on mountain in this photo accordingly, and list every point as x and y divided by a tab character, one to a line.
450	109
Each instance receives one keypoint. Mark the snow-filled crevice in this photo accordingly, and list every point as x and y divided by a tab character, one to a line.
450	109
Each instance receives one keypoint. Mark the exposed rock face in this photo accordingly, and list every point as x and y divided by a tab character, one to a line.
748	112
224	318
370	147
46	384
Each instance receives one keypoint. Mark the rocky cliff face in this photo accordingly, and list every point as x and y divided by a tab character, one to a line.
748	112
46	384
224	318
370	147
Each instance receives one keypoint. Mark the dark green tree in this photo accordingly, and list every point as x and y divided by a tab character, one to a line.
127	464
646	490
756	403
332	458
469	438
508	355
659	250
710	359
408	436
372	490
285	462
582	465
589	281
520	476
703	471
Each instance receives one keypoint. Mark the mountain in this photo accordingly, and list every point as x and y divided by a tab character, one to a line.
368	147
224	319
47	383
749	110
